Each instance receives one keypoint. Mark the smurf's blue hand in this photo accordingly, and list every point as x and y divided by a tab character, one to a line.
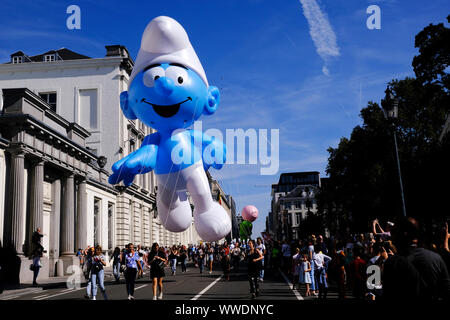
213	153
141	161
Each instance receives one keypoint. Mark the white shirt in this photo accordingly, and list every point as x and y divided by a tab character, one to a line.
320	259
261	247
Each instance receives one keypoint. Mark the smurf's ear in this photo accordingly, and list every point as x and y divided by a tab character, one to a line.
124	105
213	100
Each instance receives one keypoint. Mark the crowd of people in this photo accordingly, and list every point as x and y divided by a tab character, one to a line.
401	261
133	262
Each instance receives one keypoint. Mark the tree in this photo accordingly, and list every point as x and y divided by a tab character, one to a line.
363	181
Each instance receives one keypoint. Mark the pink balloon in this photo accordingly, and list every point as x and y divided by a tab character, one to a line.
249	213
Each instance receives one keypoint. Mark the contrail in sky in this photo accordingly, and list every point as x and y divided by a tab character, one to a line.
321	32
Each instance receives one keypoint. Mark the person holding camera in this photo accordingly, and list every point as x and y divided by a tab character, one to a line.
157	261
132	263
97	272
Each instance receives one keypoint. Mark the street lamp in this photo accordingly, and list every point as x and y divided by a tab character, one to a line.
390	108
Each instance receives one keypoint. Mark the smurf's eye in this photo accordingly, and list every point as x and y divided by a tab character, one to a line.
178	75
151	75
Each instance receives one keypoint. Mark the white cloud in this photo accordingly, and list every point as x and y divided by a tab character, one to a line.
321	32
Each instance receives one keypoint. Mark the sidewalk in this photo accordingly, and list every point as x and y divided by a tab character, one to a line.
50	283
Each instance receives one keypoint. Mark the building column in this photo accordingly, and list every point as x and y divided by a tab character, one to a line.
55	222
68	218
14	231
81	226
36	200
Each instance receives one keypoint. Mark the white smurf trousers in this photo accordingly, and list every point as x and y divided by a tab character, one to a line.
210	218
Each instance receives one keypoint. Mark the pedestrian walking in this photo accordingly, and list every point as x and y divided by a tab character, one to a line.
173	256
236	255
88	254
201	258
305	273
261	247
224	254
254	258
131	260
314	286
296	264
98	273
183	258
210	260
321	261
157	261
116	263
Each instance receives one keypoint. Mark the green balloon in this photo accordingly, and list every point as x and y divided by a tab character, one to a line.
245	229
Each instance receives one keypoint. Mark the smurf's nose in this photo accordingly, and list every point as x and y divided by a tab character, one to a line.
164	86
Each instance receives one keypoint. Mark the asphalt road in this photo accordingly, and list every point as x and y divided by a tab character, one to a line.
183	286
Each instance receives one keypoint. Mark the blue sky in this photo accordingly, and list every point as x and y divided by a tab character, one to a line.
264	59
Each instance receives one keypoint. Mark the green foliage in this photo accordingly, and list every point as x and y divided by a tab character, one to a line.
363	174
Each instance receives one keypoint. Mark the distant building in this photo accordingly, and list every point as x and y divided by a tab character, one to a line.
219	195
293	199
234	223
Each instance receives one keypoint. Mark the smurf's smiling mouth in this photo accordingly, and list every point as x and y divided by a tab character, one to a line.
168	110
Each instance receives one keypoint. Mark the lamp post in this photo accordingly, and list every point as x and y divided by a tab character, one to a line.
390	108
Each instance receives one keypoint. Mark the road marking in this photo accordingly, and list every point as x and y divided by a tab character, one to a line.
144	285
61	293
11	297
19	294
207	288
42	296
297	294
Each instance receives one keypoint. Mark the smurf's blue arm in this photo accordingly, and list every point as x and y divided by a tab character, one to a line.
141	161
213	150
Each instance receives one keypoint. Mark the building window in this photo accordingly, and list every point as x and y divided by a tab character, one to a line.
97	210
132	146
289	219
17	59
50	98
49	58
298	205
110	225
298	217
88	107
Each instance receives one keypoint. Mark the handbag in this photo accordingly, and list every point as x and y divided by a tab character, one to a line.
32	267
161	264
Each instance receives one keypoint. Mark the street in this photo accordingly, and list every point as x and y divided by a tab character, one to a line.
183	286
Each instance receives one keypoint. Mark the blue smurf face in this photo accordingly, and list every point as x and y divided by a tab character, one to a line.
170	96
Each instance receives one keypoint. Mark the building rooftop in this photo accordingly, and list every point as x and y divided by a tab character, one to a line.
60	54
65	54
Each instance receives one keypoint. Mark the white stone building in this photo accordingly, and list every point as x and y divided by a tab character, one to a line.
293	198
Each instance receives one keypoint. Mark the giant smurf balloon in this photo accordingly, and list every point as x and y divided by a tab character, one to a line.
249	213
168	91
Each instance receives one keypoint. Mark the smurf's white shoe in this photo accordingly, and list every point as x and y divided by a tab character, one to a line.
213	224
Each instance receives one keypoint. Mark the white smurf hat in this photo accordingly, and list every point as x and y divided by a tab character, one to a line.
165	40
